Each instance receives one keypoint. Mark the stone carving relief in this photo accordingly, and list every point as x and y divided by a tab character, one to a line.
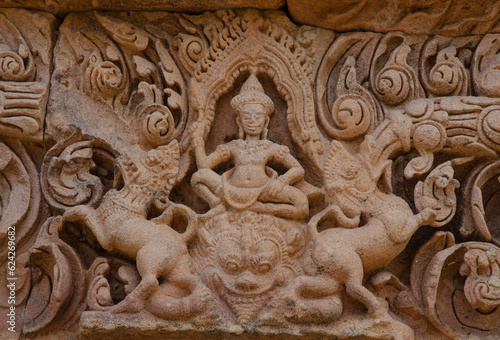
26	42
236	174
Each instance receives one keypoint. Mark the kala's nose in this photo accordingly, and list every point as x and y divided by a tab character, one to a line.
246	282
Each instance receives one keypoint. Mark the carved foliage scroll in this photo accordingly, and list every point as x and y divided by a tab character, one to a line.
70	172
20	216
128	71
464	278
26	42
25	63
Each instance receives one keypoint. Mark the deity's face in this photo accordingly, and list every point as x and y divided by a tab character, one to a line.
253	119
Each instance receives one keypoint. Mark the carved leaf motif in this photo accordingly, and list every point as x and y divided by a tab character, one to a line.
485	66
480	203
441	291
25	55
354	112
69	181
54	261
437	192
106	74
119	51
67	172
448	77
125	34
175	89
397	82
20	198
16	60
101	295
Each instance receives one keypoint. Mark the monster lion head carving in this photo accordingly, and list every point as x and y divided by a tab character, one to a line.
248	256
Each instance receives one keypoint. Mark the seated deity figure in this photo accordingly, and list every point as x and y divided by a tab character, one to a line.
251	184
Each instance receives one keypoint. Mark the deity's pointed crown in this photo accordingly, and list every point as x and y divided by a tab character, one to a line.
252	92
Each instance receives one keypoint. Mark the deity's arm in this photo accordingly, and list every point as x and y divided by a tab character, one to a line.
295	170
221	154
199	153
196	137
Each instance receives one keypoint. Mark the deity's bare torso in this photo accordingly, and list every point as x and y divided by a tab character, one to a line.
250	161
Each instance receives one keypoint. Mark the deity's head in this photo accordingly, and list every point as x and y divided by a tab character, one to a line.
252	108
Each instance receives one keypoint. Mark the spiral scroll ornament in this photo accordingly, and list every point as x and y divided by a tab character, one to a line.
397	83
110	280
485	66
465	279
104	78
481	200
354	111
13	66
158	125
489	126
69	172
191	50
58	272
448	77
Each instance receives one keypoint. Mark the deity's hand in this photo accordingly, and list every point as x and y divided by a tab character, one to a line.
276	187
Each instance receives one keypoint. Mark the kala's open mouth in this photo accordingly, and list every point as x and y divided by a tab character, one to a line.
245	305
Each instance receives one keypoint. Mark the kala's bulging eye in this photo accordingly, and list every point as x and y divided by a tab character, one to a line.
230	256
264	267
232	267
